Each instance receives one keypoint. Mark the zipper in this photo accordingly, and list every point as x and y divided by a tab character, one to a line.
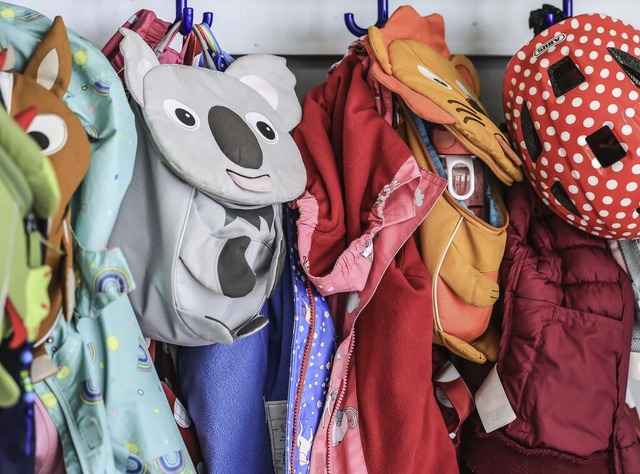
303	371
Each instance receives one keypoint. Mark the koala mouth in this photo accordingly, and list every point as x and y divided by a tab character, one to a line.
259	184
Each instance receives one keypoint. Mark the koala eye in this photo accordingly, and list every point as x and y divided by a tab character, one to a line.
263	126
430	75
49	131
181	114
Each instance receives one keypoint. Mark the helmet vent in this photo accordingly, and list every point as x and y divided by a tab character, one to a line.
530	135
606	147
562	197
564	76
629	64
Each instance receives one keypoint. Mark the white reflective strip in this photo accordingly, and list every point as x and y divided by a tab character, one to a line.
437	275
6	89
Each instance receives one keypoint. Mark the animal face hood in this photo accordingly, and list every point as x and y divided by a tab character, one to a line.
226	134
412	59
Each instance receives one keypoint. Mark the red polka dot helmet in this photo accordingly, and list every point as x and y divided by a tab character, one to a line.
571	104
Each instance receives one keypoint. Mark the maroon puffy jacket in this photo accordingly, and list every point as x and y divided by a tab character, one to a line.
564	356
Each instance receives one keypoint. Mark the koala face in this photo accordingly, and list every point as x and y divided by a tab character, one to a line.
226	134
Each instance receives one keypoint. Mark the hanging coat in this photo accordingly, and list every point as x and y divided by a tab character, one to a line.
365	197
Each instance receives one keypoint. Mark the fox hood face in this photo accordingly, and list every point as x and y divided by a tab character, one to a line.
226	134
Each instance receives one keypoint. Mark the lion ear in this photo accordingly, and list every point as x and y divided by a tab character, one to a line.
50	65
467	70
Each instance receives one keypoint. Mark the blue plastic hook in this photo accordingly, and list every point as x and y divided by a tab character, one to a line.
567	8
207	17
383	16
185	14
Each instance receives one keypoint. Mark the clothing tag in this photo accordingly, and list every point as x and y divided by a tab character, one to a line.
634	366
277	419
493	405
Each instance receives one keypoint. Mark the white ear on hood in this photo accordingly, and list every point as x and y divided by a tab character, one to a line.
270	77
139	59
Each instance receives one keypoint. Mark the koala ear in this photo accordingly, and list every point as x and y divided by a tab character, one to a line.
139	59
270	77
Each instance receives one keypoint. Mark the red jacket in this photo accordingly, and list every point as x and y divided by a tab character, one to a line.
366	196
564	355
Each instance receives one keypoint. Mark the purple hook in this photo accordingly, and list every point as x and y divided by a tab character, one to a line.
187	21
207	17
383	16
567	8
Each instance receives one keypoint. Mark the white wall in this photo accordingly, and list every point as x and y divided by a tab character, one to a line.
495	27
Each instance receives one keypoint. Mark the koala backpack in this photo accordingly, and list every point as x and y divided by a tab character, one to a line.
201	223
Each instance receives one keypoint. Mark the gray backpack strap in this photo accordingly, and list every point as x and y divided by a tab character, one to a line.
631	254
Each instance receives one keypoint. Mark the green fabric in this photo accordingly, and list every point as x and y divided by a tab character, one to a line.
106	401
34	166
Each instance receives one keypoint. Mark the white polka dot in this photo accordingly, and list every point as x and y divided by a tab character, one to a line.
546	202
600	88
536	125
540	110
600	29
519	100
625	202
608	58
592	180
583	39
584	86
570	37
625	35
593	55
620	215
578	158
570	119
551	131
575	174
558	167
597	41
560	100
587	27
630	112
617	92
626	234
533	91
571	217
612	184
626	129
527	72
547	146
635	169
613	32
607	200
611	44
617	166
604	73
516	113
612	109
513	81
544	63
544	161
603	213
565	50
590	196
573	189
632	186
544	174
575	24
588	70
521	54
620	75
588	122
587	207
538	76
576	102
554	115
596	164
633	95
624	47
633	225
609	124
582	140
565	136
594	105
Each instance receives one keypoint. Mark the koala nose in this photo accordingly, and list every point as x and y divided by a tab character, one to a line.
234	137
